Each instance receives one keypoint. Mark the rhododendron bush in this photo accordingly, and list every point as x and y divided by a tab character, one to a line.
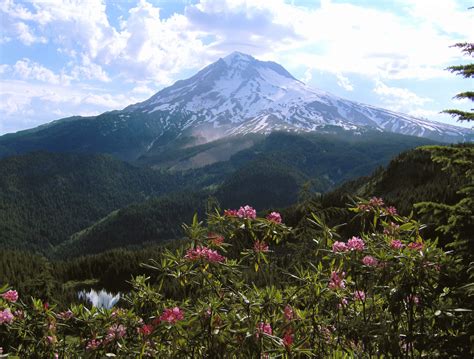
379	292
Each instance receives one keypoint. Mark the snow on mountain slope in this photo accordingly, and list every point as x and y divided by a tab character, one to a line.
239	94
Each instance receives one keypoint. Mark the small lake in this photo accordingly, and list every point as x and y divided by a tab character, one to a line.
99	299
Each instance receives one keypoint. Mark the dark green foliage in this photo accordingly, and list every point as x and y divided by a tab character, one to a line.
153	221
45	197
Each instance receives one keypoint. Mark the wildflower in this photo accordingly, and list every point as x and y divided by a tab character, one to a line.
6	316
392	211
339	247
263	328
337	280
260	246
172	316
215	239
288	312
11	296
230	213
355	244
65	315
93	344
359	295
369	261
200	252
364	207
288	338
396	244
391	229
376	202
274	217
145	329
247	212
416	246
116	331
343	303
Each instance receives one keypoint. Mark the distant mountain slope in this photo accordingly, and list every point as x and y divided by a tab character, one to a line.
46	197
267	175
233	96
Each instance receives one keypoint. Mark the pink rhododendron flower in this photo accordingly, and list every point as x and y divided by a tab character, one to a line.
247	212
274	217
145	329
93	344
337	280
369	261
396	244
200	252
376	201
288	338
343	303
260	246
11	296
65	315
355	244
265	328
416	246
339	247
230	213
391	229
215	239
359	295
288	312
116	331
172	316
6	316
392	211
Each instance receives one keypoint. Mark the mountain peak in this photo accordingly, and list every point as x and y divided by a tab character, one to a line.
237	56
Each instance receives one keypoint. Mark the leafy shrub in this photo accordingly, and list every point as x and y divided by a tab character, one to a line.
376	294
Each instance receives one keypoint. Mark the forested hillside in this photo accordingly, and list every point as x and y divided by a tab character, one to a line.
46	197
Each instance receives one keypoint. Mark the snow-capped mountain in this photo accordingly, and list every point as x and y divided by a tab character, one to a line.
239	94
234	95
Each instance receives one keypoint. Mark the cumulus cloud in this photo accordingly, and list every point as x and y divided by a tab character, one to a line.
399	99
344	82
30	70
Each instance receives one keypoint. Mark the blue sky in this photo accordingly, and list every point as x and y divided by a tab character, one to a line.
84	57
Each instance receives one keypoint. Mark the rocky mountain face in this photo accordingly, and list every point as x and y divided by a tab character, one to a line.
236	95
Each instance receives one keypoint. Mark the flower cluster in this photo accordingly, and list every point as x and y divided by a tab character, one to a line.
11	296
337	280
355	244
274	217
6	316
396	244
215	239
247	212
172	315
288	313
369	261
260	246
263	328
205	253
115	332
359	295
416	246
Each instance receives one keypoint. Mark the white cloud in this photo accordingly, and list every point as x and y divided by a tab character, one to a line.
29	70
26	36
399	99
24	104
344	82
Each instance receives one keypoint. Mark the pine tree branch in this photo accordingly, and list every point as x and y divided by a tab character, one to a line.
463	70
466	94
461	115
